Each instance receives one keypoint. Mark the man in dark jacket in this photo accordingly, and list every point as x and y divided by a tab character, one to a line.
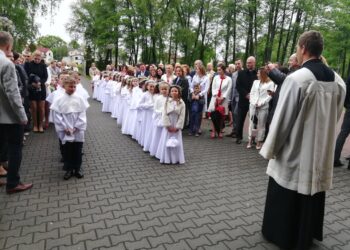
22	75
277	75
244	84
143	71
235	97
345	129
182	81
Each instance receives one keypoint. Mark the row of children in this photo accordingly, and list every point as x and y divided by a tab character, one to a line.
68	105
151	113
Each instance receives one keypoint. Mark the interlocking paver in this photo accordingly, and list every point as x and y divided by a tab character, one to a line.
63	241
46	235
12	241
94	244
120	238
37	246
158	240
128	200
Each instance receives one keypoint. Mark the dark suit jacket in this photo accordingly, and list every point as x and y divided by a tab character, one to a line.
347	97
146	74
22	80
244	84
183	83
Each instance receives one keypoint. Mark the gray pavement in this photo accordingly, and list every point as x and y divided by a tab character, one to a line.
128	200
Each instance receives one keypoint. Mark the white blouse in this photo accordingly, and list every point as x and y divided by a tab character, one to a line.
259	93
203	82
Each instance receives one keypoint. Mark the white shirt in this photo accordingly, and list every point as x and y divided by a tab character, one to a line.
259	93
167	79
70	113
204	83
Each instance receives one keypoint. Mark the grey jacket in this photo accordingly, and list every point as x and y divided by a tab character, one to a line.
234	93
11	107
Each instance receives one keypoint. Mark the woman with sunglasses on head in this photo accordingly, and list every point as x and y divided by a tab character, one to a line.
37	72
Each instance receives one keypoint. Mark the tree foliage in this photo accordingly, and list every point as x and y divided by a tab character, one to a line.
56	44
22	13
178	30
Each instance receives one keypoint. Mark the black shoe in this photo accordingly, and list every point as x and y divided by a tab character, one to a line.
238	141
338	163
79	174
68	175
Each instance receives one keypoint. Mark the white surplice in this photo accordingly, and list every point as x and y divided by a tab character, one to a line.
301	140
70	113
157	126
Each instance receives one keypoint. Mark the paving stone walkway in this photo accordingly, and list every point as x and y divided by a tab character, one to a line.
128	200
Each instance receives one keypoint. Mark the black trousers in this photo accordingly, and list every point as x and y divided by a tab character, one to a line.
241	115
11	141
72	152
292	220
26	105
61	148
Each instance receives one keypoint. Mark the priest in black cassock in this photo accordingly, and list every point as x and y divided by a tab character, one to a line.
300	149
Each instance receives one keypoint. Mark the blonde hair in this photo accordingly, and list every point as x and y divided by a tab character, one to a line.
37	53
164	84
68	80
201	69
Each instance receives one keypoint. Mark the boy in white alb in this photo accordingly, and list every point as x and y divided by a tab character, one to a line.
70	123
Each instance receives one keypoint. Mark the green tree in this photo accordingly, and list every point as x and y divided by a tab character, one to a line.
163	30
21	13
74	44
56	44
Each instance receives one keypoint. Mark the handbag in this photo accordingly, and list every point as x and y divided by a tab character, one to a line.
172	142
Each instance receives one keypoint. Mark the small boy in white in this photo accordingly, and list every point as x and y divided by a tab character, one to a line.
70	123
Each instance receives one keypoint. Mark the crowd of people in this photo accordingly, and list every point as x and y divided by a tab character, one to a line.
293	113
224	96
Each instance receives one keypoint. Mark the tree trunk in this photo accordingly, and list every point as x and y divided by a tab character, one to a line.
281	30
204	32
296	30
201	14
272	30
227	35
137	50
250	40
348	71
285	47
344	63
254	49
175	55
170	43
269	29
234	29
